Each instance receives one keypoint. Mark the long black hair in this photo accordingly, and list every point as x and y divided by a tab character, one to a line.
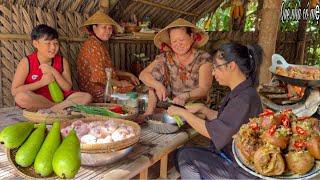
248	58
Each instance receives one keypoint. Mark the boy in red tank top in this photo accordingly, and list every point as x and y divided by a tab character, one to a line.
43	66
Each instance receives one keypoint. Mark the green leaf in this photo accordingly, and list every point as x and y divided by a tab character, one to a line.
97	111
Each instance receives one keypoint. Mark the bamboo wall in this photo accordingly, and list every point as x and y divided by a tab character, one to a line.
16	23
122	52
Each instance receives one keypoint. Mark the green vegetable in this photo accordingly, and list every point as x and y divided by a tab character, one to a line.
96	111
55	92
15	134
28	151
67	159
43	162
178	120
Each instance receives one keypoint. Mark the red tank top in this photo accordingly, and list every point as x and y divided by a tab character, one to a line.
35	73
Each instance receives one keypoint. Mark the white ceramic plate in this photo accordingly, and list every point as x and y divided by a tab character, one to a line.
287	175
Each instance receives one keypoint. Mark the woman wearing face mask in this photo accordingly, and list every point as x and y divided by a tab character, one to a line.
94	58
237	67
181	71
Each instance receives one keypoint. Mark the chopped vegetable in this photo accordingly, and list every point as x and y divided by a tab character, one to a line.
254	126
299	144
117	109
272	129
266	113
178	120
300	130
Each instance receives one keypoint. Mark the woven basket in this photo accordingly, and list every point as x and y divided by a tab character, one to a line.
33	116
108	147
132	112
25	172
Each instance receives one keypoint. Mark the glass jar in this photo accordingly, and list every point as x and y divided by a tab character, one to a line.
119	98
108	87
133	99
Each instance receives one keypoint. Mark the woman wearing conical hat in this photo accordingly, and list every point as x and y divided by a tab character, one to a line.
181	71
94	58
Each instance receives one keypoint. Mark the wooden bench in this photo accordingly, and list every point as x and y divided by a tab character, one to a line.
151	148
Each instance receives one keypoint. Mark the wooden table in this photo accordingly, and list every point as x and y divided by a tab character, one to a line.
151	148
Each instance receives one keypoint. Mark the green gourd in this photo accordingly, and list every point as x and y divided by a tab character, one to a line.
43	161
67	159
55	92
14	135
30	148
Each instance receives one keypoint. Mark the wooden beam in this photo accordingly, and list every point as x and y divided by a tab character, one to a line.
4	36
139	165
165	7
25	37
268	35
301	36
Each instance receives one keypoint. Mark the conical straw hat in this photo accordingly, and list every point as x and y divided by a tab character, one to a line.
162	37
101	18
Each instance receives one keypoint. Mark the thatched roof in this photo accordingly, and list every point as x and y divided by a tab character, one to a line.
161	12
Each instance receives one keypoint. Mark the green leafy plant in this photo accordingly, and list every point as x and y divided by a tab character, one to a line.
96	111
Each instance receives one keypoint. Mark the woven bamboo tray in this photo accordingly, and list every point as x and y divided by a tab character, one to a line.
160	127
108	147
33	116
25	172
131	115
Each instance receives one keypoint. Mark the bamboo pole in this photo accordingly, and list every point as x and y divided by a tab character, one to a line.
5	36
268	35
25	37
165	7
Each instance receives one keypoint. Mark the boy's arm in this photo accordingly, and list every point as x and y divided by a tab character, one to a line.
20	77
64	79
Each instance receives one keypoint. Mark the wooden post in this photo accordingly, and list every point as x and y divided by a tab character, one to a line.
301	36
164	167
268	35
144	174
